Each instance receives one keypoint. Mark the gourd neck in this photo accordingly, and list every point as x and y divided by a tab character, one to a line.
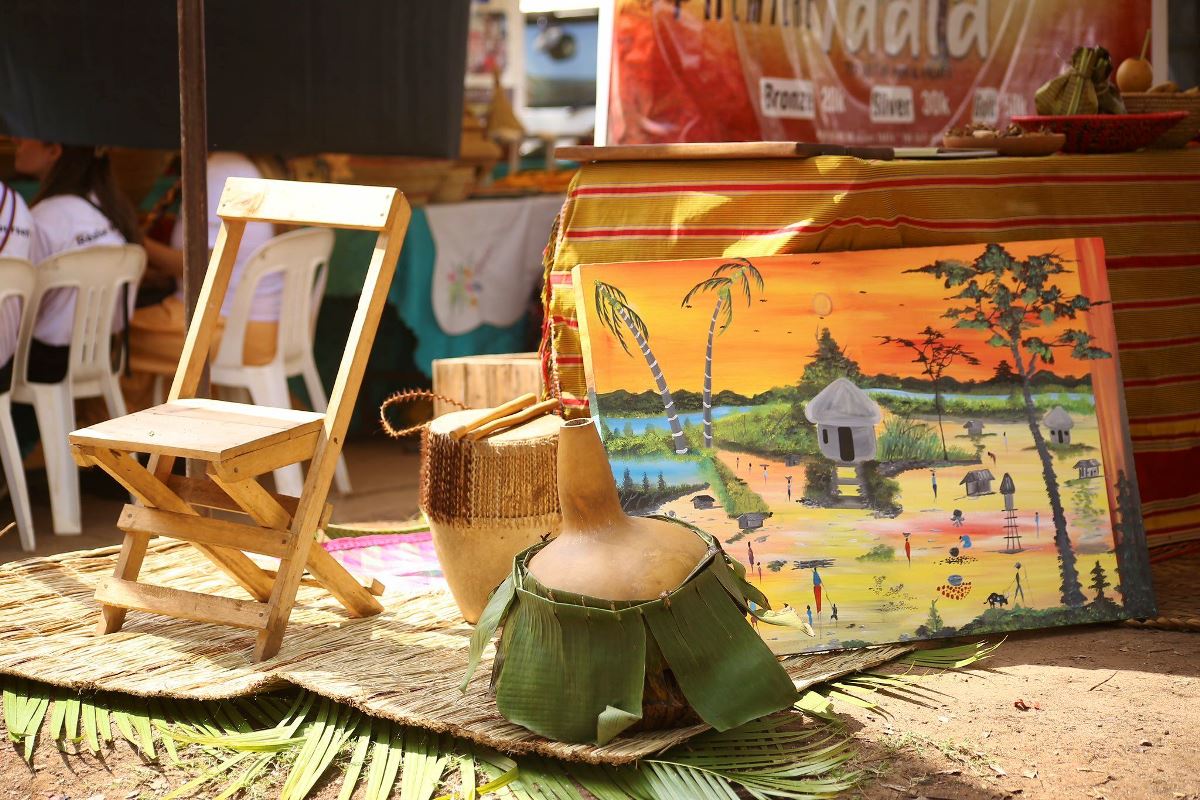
586	490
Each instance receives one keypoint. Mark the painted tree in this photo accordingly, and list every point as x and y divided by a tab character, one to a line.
738	277
615	313
662	482
1099	581
1004	372
1012	299
645	483
935	355
934	621
829	361
1133	560
627	484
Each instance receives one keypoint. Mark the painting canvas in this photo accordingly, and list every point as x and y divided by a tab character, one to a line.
897	444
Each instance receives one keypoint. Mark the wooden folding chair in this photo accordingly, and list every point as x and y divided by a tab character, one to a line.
241	442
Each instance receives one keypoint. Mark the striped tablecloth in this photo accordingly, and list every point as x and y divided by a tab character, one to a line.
1146	207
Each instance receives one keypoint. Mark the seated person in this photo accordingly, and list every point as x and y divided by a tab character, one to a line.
78	204
16	240
157	332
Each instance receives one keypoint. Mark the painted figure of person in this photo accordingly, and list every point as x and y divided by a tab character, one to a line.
833	612
933	482
957	519
738	462
753	616
765	472
908	547
1005	434
966	541
789	488
750	553
1037	524
992	456
1018	591
816	578
810	617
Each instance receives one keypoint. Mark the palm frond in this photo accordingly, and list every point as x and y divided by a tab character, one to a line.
957	657
230	746
614	311
707	285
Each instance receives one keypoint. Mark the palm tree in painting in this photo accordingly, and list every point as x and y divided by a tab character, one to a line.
615	313
738	276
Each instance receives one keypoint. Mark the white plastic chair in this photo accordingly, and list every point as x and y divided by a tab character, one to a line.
98	275
17	278
301	256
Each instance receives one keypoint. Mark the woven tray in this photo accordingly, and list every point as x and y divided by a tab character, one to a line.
1183	131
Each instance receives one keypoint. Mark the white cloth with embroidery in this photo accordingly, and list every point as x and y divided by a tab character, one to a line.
489	259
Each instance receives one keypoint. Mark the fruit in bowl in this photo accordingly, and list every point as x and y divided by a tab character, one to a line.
1136	74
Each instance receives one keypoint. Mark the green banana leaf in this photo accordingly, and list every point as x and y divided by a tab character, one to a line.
573	668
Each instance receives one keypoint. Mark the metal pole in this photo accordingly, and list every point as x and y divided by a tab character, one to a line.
193	137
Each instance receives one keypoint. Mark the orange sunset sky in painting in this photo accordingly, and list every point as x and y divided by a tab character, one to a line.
769	342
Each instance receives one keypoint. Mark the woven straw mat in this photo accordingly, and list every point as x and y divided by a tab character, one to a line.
1175	594
404	664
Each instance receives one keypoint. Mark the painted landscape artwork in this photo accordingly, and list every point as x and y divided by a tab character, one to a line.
897	444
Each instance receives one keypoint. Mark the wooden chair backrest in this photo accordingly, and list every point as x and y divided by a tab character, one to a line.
373	208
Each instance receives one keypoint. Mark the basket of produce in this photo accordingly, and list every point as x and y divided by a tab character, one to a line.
1011	141
1167	97
1105	133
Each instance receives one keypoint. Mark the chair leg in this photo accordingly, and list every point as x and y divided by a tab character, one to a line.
129	564
15	475
55	411
113	399
316	395
269	388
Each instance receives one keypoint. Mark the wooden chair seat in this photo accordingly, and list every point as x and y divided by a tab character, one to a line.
239	440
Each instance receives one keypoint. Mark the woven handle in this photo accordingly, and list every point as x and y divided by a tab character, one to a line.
407	396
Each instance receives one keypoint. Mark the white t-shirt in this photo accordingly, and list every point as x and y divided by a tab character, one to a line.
269	294
61	223
16	239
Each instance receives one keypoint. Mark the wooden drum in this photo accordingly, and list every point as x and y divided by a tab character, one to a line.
487	500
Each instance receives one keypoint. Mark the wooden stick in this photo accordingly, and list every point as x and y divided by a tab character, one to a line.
504	423
8	528
503	410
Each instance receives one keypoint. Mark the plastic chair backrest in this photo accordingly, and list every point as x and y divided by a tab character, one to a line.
17	278
297	255
98	275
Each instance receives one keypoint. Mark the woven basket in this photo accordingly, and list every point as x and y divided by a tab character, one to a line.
1183	131
487	500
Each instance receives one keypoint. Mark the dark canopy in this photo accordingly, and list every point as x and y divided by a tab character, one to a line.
284	76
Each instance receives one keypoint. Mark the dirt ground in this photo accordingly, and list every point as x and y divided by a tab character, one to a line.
1112	714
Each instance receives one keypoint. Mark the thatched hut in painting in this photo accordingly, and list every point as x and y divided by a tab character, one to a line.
1059	423
978	481
845	417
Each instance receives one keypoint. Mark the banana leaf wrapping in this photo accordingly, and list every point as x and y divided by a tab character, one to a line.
573	668
1083	89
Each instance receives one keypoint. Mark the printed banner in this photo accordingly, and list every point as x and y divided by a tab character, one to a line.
855	72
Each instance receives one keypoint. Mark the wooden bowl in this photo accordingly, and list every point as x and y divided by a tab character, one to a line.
1030	144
